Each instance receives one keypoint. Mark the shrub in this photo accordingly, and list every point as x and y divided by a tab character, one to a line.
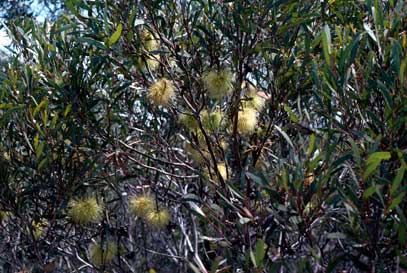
270	136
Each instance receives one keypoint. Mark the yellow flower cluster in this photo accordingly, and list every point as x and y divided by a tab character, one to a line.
211	120
141	205
251	104
145	207
158	218
150	43
85	211
161	92
218	83
188	121
150	62
247	121
252	99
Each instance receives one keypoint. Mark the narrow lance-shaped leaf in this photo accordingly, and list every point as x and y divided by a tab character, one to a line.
116	35
326	44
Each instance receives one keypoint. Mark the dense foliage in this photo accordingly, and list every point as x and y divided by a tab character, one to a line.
206	136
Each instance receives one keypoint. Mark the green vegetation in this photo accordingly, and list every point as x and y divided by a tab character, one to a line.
205	136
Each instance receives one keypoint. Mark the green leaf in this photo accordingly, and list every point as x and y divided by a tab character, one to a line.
6	105
260	252
92	41
396	201
70	4
39	149
402	234
42	163
355	151
378	156
373	161
369	192
370	169
67	109
311	145
54	121
326	44
386	94
378	14
397	180
290	113
116	35
39	106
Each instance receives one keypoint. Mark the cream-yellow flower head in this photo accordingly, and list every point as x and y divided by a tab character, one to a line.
161	92
153	62
141	205
102	253
158	218
218	83
85	211
247	121
253	99
150	62
188	121
150	43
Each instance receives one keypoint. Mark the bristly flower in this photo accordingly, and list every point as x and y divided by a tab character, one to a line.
247	121
211	120
150	43
254	98
85	211
161	92
188	121
257	102
149	62
158	218
102	254
141	205
218	83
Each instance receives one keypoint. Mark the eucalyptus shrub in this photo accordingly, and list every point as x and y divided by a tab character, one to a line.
206	136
